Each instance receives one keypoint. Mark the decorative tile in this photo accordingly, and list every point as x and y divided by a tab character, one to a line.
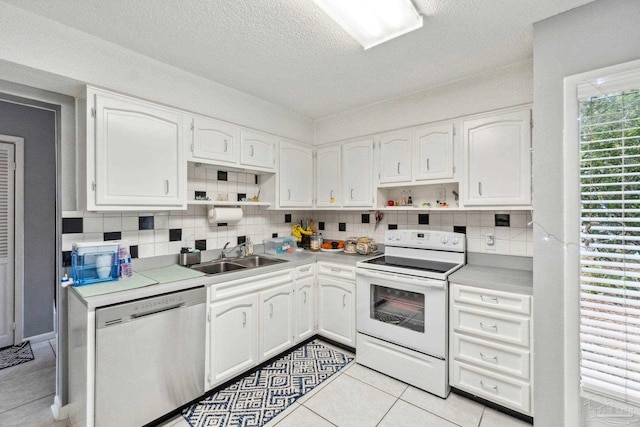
257	398
222	176
502	220
72	225
145	223
423	219
112	235
342	226
460	229
392	226
175	234
287	218
201	244
365	218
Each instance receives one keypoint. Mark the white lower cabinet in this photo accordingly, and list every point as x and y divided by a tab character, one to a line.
276	320
254	319
336	305
305	322
491	346
233	337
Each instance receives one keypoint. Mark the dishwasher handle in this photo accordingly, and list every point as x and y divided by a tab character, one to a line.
159	310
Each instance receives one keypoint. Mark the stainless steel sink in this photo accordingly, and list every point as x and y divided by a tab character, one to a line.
257	261
217	267
234	264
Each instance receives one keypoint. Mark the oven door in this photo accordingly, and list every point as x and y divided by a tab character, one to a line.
407	310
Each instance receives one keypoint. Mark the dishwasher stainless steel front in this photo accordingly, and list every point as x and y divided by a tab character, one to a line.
149	357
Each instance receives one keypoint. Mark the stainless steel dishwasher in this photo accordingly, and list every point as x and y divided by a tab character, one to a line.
149	357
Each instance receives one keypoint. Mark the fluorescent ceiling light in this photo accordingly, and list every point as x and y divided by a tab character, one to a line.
372	22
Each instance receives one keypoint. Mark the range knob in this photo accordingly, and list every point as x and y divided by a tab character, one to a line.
455	241
444	240
397	236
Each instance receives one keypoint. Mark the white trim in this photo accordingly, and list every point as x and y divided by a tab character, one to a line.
571	233
42	337
59	411
18	254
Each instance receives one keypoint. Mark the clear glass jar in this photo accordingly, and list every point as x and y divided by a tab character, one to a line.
316	242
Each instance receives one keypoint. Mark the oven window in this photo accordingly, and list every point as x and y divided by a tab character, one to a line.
397	307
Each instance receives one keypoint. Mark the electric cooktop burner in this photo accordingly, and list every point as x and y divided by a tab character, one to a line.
412	264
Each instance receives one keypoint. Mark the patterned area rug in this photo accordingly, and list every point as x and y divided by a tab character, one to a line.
255	399
15	355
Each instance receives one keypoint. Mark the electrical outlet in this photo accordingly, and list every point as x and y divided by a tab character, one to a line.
489	242
441	194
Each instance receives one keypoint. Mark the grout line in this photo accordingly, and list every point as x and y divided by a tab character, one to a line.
28	403
309	409
388	410
433	413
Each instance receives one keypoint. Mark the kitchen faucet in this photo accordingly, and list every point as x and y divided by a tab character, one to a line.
224	254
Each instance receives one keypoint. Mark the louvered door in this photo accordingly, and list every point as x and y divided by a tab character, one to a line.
7	200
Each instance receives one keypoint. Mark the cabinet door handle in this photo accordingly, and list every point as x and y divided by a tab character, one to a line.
398	168
335	270
304	300
166	186
289	197
493	327
489	387
493	359
252	151
485	298
226	146
344	300
270	310
428	168
480	188
352	194
304	270
330	194
244	318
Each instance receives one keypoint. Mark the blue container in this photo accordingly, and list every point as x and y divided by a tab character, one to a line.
94	263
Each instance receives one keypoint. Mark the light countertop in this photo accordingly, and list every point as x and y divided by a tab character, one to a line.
497	272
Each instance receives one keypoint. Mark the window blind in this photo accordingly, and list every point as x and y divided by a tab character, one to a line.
610	243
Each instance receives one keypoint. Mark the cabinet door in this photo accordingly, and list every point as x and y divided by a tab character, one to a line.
276	320
357	173
336	313
498	160
395	157
138	155
296	179
433	152
305	308
234	337
328	176
215	141
258	149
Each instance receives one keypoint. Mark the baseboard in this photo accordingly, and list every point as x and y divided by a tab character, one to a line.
59	412
42	337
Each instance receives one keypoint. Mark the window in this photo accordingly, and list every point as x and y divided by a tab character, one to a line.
610	238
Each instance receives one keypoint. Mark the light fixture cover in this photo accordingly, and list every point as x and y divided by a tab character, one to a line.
372	22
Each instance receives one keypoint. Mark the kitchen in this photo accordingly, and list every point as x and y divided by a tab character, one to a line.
62	63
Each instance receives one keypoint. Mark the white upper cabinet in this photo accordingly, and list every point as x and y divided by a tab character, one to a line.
395	156
214	141
328	176
357	173
497	159
258	150
135	155
296	177
433	152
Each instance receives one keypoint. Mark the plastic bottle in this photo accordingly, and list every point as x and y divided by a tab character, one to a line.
124	263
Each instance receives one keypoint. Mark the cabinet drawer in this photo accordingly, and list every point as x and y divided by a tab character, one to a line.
504	359
337	270
304	271
505	391
503	327
492	299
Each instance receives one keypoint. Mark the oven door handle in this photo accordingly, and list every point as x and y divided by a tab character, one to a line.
420	281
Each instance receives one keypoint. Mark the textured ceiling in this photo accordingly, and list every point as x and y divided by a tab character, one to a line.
290	53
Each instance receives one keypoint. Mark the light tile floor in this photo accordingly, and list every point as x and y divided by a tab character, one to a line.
358	396
27	390
355	396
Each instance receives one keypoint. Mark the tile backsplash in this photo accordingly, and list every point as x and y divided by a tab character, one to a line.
163	233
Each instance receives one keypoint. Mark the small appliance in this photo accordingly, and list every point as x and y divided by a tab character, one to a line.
94	262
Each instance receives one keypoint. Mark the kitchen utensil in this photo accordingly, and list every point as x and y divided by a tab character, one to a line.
379	215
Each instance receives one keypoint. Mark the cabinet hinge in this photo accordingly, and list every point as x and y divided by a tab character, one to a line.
454	169
192	146
531	123
209	317
209	378
93	185
192	126
93	113
454	129
13	326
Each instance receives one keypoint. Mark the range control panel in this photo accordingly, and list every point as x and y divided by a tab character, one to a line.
427	239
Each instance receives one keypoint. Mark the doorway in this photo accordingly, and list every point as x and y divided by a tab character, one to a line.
11	238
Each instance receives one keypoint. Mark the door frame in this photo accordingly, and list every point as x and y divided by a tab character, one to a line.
18	226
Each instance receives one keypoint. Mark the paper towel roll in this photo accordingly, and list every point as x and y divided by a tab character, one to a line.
225	215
